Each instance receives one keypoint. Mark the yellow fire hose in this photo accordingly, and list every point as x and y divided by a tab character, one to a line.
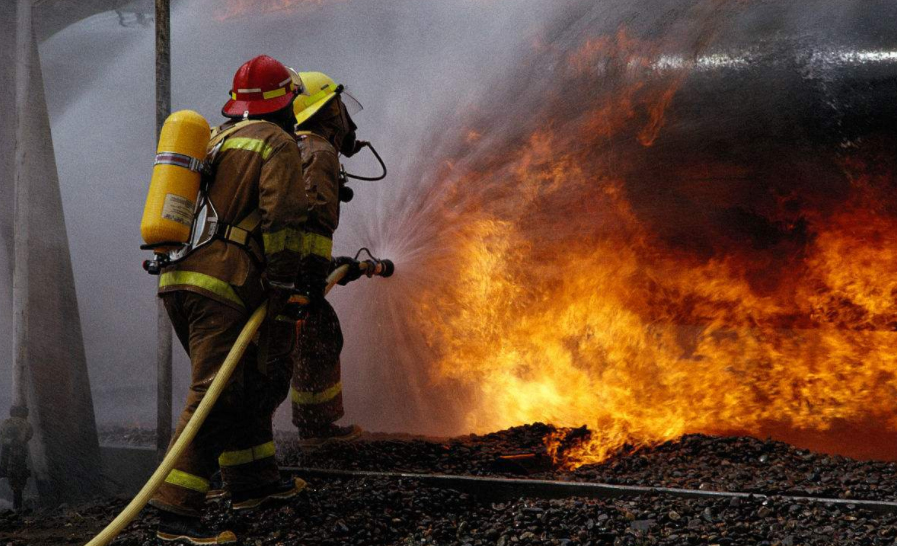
202	411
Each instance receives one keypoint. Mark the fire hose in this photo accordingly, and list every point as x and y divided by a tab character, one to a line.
372	267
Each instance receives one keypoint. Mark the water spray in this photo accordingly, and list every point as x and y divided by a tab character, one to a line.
370	267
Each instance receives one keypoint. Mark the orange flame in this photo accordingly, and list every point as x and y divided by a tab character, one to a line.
565	306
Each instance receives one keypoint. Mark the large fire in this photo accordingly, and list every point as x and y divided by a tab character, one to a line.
566	301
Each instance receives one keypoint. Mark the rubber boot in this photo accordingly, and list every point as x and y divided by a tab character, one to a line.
177	529
312	437
280	491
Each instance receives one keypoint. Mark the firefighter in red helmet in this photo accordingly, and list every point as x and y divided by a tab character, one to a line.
256	187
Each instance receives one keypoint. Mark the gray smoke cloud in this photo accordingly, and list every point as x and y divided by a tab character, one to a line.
416	66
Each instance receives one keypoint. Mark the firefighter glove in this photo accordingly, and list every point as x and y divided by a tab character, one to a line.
355	272
278	296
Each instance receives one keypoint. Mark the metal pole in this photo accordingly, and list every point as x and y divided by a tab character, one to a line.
21	238
163	109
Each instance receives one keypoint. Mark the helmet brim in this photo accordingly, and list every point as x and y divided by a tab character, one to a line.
238	108
307	113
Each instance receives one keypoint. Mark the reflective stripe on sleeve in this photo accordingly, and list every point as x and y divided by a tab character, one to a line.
246	456
249	145
317	245
309	398
285	239
200	280
187	481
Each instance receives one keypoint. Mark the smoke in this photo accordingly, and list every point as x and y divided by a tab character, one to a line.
416	66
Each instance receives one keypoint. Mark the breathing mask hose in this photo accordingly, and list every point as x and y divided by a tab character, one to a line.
365	144
199	416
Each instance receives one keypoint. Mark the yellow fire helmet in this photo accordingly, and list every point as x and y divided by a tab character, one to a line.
317	89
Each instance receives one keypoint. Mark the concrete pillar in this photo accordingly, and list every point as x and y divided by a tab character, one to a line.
48	344
7	140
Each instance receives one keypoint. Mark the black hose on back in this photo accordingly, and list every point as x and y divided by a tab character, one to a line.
380	159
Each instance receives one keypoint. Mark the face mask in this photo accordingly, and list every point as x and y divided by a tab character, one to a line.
349	145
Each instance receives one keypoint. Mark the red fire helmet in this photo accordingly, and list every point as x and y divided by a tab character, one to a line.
261	86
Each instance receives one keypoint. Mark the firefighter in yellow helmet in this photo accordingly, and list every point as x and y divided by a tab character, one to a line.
324	130
257	191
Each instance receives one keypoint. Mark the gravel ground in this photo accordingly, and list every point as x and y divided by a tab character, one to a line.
375	511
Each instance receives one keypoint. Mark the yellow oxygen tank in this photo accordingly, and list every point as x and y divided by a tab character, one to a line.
170	203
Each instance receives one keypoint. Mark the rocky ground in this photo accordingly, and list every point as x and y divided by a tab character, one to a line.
378	511
375	511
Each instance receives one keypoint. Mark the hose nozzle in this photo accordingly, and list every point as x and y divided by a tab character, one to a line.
351	269
379	268
374	266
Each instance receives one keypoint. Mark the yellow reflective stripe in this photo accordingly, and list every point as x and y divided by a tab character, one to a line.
235	458
274	94
218	135
200	280
317	245
308	398
246	456
187	481
249	145
263	451
285	239
251	221
309	101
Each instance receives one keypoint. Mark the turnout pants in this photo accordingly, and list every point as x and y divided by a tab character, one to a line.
316	390
237	436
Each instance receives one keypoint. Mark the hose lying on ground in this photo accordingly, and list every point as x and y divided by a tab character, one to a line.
199	416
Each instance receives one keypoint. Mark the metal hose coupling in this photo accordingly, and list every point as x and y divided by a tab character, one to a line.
379	268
